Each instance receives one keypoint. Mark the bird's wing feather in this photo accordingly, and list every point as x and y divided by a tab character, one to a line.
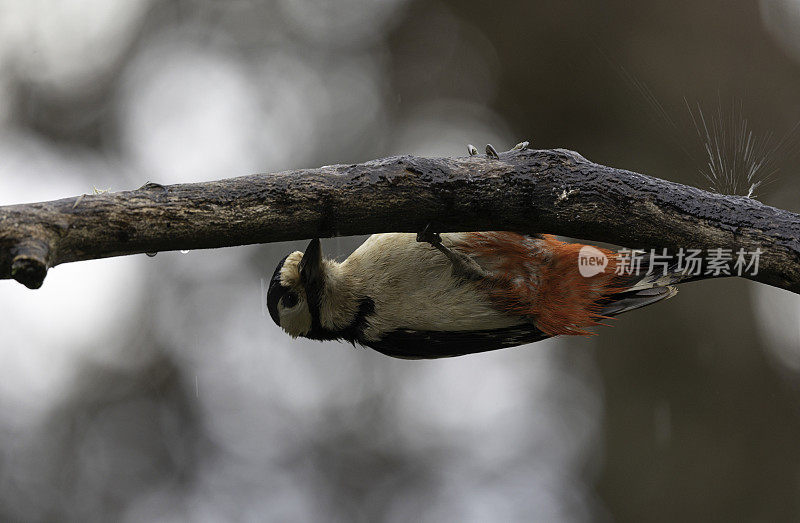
411	344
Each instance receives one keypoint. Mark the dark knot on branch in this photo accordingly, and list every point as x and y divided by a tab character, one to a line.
29	262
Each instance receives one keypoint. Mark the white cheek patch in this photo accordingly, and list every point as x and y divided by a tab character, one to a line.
296	320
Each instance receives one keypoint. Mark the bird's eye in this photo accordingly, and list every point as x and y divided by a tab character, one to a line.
289	300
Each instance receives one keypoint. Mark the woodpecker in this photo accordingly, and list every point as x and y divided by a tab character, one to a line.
440	295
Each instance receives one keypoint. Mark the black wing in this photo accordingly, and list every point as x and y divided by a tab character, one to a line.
409	344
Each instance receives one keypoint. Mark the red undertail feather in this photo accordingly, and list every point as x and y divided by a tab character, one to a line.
539	278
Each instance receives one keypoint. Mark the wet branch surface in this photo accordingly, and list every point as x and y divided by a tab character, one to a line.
549	191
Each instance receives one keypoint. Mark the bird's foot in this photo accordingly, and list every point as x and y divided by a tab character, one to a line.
464	267
428	235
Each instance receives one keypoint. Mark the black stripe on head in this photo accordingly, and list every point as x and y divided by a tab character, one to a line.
312	278
276	292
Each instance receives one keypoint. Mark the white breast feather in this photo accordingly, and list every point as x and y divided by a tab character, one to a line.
413	287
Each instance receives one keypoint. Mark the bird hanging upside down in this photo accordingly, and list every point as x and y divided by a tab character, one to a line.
433	296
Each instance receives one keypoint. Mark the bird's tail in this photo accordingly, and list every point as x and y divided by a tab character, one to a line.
640	289
625	301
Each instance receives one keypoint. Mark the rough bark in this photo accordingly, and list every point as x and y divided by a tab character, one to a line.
554	191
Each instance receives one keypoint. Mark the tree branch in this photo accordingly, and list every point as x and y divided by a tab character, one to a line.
555	191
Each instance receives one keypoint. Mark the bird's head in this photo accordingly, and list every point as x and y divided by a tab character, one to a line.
296	290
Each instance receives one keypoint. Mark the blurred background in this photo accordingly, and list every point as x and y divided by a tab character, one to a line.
158	389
